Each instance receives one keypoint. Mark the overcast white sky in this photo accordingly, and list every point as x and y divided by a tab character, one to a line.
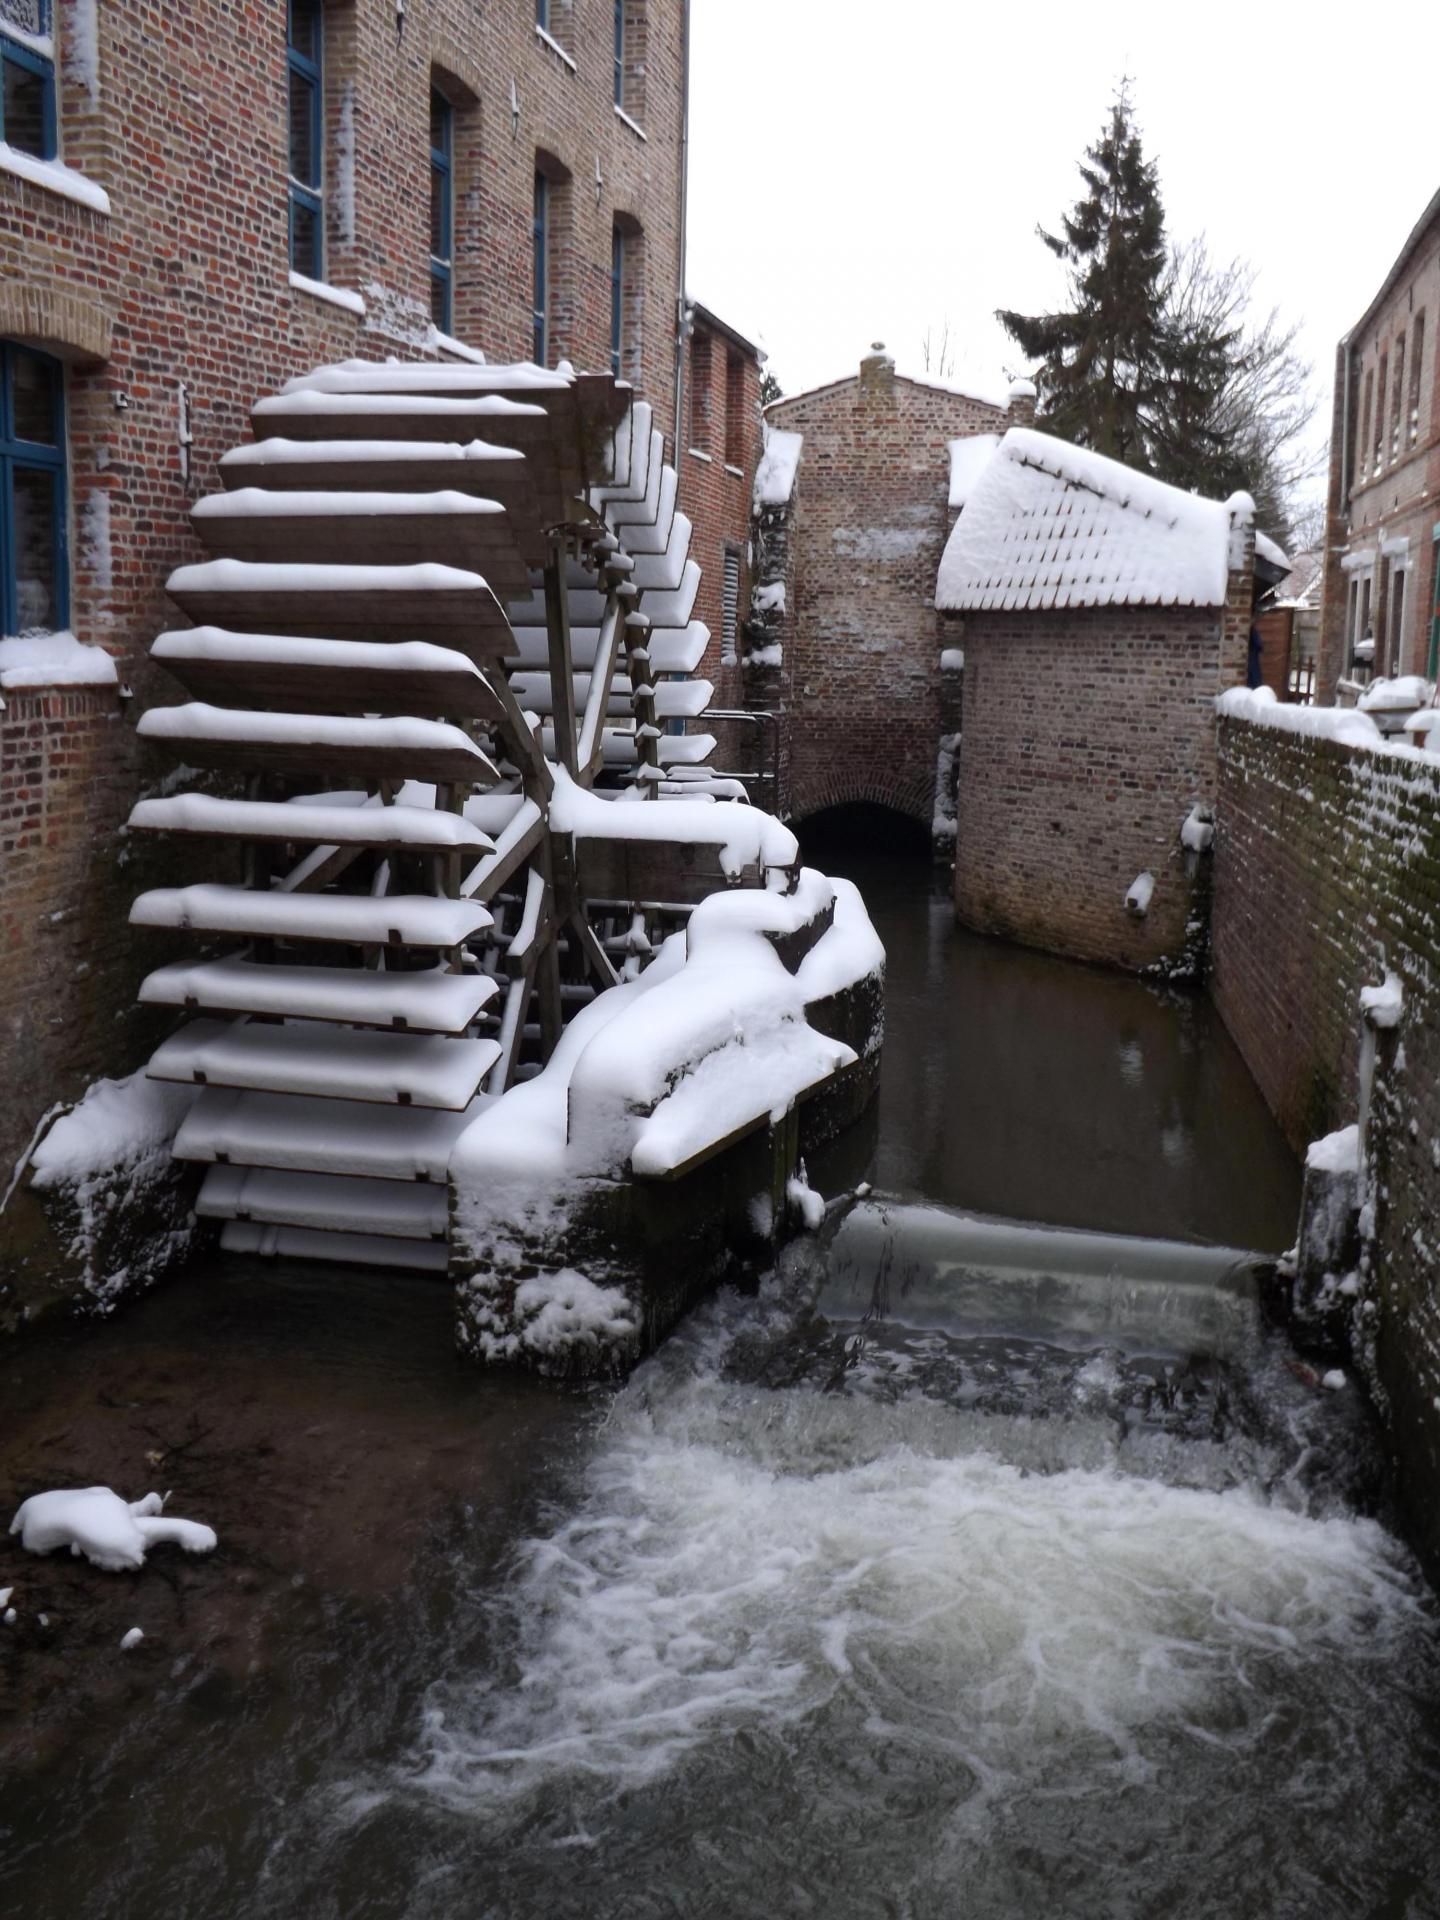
849	185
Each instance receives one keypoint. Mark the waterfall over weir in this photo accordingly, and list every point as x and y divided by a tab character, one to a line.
966	1555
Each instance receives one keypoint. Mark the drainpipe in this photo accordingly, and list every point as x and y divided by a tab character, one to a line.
684	203
1344	500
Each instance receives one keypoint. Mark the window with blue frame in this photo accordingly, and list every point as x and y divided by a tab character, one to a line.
617	300
542	14
620	53
305	52
27	70
542	269
34	582
442	211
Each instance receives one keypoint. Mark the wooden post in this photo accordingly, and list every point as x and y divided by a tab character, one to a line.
562	671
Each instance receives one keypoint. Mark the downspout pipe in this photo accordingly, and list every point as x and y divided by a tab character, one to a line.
680	302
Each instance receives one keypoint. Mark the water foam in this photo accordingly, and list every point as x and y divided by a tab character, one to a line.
793	1563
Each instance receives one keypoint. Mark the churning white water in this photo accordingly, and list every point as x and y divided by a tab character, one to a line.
968	1623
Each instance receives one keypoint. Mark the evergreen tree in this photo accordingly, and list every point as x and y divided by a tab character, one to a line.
1101	362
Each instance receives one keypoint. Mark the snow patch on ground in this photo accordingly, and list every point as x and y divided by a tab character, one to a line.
109	1532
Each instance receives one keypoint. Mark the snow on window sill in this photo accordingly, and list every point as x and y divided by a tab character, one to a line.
739	472
34	660
696	454
634	126
447	343
322	290
555	46
56	176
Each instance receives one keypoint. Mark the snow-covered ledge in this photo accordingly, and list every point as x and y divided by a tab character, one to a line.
344	297
555	47
36	660
56	177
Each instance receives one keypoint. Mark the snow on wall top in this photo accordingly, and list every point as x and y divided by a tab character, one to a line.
1051	525
1271	550
775	475
968	460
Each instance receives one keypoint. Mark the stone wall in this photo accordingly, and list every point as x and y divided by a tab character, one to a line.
175	311
1327	875
860	680
1089	735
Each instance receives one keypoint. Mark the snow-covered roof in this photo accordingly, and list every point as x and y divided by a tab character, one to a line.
965	389
968	460
1303	584
1051	525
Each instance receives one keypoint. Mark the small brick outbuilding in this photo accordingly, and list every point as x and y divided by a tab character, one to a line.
1100	613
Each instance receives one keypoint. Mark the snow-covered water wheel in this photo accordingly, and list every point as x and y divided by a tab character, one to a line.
440	599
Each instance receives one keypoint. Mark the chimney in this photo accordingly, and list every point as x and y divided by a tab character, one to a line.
877	369
1021	410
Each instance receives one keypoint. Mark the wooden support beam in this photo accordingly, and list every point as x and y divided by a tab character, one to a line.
562	671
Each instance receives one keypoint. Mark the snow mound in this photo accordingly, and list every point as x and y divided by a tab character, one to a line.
111	1533
775	476
1337	1152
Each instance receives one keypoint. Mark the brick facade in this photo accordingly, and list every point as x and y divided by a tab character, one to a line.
1089	735
858	687
720	448
176	307
1327	873
1384	489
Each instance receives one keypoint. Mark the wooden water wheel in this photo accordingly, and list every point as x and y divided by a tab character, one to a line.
440	599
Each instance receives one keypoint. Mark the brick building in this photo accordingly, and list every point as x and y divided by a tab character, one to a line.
195	204
845	642
1100	614
1380	596
717	462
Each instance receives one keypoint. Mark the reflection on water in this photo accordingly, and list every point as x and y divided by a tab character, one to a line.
1040	1089
965	1570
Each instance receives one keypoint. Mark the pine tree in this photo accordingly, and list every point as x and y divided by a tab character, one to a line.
1101	362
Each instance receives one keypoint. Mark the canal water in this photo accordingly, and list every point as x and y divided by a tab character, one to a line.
965	1569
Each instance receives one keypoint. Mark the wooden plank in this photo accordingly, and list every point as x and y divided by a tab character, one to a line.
469	619
477	543
401	830
562	670
329	1063
359	766
433	1000
306	688
397	920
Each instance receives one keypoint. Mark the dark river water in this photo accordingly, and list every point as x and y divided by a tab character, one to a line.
964	1570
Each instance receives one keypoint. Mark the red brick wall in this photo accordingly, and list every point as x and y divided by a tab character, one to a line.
1377	499
1088	737
1327	873
717	478
186	281
860	682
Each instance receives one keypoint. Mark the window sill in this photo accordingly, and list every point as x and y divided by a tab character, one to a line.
333	296
56	177
696	454
634	126
555	47
739	472
447	343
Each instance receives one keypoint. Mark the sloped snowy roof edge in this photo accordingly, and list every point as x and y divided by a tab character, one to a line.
1049	525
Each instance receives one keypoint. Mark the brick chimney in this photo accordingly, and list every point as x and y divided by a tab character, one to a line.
877	370
1021	410
1239	591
